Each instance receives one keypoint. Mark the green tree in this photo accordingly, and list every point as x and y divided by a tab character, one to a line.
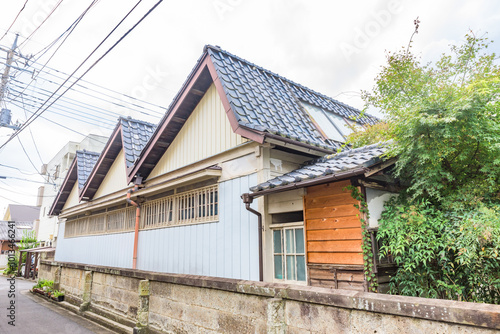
28	241
444	120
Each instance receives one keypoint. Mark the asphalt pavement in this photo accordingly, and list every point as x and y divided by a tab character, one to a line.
21	312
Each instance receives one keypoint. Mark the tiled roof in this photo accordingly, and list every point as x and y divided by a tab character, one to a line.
365	156
265	101
21	226
85	161
20	212
135	136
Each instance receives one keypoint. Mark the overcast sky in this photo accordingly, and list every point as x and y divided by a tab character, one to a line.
333	47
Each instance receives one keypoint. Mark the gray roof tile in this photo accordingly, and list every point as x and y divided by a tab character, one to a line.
360	157
85	162
266	101
20	228
136	135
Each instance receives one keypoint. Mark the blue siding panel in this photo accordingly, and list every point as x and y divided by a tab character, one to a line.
113	250
227	248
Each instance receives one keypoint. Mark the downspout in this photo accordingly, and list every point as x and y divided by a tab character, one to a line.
137	219
247	199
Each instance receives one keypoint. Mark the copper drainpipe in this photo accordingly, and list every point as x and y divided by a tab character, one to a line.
137	220
247	199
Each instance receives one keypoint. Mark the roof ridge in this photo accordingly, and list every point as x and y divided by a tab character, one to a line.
88	152
128	118
357	150
219	49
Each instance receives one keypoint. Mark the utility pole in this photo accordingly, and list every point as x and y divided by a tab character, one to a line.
5	117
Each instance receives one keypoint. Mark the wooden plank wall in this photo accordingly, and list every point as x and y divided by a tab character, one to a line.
333	236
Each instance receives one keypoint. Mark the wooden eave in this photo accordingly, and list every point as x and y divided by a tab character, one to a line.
66	187
101	168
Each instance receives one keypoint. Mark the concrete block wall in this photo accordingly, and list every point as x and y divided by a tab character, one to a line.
174	303
115	293
179	308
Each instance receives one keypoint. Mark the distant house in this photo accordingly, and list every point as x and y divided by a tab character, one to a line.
166	197
23	218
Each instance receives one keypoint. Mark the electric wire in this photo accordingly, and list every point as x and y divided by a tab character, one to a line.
27	180
19	13
106	126
69	31
27	194
37	114
27	155
35	100
31	133
20	170
77	103
36	29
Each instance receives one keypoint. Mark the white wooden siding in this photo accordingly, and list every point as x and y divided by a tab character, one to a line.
72	198
115	178
113	250
206	133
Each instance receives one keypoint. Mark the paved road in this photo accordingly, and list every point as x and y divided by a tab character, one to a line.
37	316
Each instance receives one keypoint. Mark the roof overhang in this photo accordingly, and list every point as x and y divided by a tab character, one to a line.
307	183
38	250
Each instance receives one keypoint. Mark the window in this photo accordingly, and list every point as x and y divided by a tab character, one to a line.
289	254
196	206
335	127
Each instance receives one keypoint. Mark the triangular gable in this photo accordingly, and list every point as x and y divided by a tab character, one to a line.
115	178
207	132
129	135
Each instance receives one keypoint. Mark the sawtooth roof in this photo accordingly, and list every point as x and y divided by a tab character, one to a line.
329	165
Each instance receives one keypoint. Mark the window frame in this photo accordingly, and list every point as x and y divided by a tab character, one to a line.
283	227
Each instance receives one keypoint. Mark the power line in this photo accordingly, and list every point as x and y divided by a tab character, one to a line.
27	180
20	170
34	117
69	31
27	155
11	200
31	133
14	20
87	107
27	194
36	29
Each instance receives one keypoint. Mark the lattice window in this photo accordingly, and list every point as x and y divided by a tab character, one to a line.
157	213
191	207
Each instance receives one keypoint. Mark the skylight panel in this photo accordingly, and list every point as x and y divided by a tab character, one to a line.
326	125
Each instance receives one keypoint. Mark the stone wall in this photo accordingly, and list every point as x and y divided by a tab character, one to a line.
173	303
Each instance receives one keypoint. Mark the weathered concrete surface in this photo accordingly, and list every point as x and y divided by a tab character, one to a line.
186	304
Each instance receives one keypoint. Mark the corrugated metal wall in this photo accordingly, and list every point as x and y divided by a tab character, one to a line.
114	250
228	248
